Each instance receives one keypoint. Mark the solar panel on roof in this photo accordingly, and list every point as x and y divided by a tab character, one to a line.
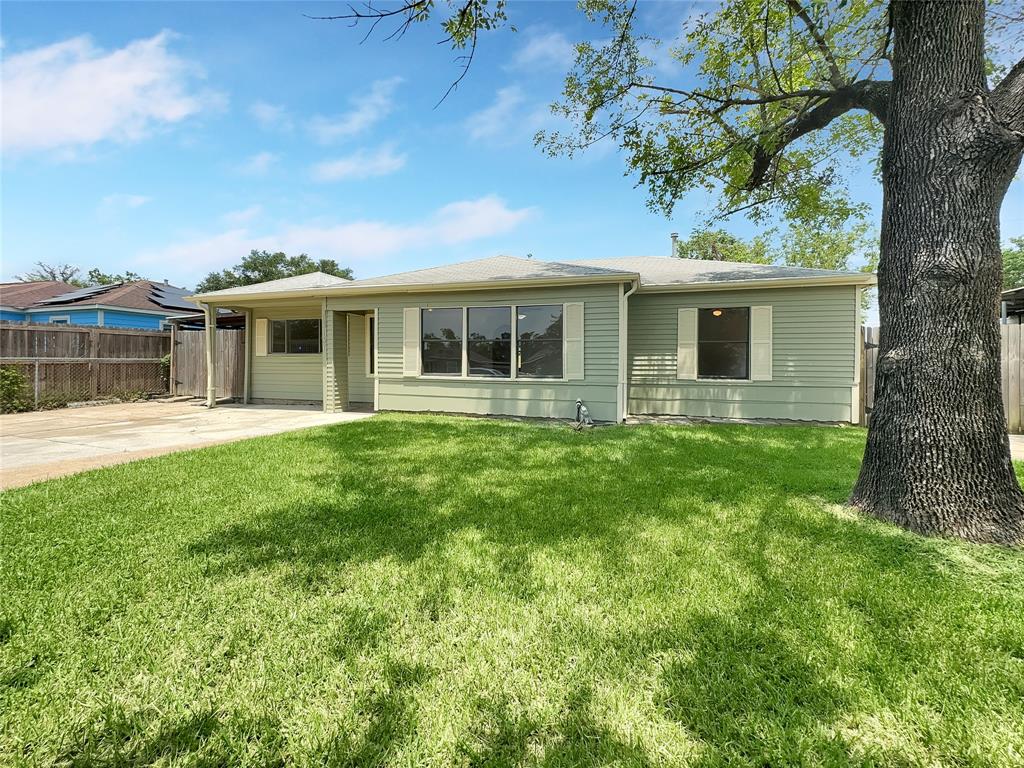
170	297
81	293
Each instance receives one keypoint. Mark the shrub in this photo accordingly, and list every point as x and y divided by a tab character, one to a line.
14	394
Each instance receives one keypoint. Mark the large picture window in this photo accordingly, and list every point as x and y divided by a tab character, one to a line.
539	343
489	341
723	343
441	342
295	337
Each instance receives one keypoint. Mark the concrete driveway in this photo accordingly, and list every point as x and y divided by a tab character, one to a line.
39	445
1017	447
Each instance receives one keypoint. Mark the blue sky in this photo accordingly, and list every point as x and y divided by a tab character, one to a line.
171	138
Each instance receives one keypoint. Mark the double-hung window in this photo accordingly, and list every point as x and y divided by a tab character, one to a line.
489	341
441	341
539	342
723	343
295	337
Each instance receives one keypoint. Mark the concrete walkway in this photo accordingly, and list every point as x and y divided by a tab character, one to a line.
1017	447
36	446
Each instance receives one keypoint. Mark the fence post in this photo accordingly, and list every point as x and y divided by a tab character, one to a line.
94	366
35	398
172	372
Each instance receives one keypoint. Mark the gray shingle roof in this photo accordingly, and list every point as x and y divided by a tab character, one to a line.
653	271
496	268
310	281
663	270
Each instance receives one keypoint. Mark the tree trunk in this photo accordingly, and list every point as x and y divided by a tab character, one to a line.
938	457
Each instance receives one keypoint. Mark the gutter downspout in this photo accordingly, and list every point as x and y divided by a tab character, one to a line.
622	399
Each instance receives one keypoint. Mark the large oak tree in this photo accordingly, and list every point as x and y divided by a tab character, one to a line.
770	101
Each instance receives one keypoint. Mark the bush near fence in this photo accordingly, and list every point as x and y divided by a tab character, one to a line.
60	364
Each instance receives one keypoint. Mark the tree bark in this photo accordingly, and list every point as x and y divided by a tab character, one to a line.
938	458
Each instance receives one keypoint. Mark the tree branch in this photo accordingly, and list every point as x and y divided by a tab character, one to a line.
835	75
1008	99
866	94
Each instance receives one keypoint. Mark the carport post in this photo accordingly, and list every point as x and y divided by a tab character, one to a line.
210	313
248	356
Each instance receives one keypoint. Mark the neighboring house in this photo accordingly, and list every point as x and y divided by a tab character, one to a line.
15	298
524	337
137	304
1012	306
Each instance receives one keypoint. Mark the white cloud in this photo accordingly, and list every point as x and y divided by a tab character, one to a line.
73	94
359	165
458	222
243	216
271	116
367	110
494	120
257	165
508	118
117	201
543	50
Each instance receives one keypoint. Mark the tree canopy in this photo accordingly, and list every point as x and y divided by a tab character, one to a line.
1013	263
260	266
64	273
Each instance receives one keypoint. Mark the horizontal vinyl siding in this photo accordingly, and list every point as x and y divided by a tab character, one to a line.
12	317
78	316
813	356
287	377
118	319
523	397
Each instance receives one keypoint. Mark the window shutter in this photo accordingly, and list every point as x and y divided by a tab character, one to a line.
760	343
686	344
574	341
260	340
411	341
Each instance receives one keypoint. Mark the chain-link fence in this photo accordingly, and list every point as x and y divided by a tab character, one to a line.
51	366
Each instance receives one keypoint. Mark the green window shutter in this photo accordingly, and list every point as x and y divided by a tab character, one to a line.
760	343
411	341
686	344
573	318
260	337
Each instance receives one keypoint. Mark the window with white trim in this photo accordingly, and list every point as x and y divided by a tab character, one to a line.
723	343
489	344
441	341
539	343
295	337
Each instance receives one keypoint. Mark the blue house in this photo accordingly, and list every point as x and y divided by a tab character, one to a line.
138	304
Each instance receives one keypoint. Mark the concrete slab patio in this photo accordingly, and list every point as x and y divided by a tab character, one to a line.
44	444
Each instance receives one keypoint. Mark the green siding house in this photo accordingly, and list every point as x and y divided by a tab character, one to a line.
523	337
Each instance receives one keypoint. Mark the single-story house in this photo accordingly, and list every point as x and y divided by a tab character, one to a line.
137	304
16	298
524	337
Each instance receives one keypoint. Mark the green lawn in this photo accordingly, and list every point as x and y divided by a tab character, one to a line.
435	591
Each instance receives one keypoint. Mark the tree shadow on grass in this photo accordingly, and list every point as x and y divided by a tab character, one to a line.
752	684
400	488
577	738
211	739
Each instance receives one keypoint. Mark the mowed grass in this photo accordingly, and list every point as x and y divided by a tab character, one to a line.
430	591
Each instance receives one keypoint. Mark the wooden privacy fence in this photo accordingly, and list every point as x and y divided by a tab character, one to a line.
1011	370
64	363
188	363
